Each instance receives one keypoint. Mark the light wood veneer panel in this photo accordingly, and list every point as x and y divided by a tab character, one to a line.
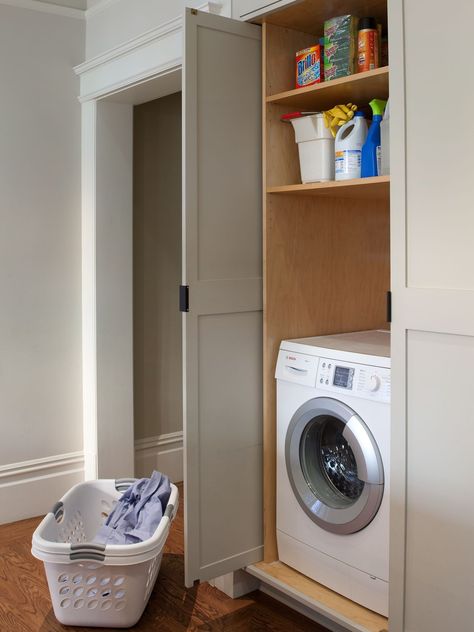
359	88
348	609
328	272
376	188
309	16
281	46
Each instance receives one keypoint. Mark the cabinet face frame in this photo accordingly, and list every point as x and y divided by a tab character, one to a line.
398	335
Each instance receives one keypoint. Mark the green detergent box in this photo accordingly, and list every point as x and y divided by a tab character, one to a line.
340	46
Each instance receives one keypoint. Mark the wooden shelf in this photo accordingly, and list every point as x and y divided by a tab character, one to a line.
308	16
359	89
319	598
359	189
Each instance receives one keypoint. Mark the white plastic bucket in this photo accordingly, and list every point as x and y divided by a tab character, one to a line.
92	584
315	148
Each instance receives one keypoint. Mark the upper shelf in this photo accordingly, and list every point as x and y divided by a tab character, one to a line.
308	16
359	88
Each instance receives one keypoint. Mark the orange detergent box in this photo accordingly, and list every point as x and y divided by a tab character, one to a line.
309	66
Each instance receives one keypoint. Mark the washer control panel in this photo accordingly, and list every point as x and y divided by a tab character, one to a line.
358	380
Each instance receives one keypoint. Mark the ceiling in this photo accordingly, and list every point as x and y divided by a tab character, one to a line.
72	4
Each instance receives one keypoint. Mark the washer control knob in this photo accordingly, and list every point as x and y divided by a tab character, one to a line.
374	383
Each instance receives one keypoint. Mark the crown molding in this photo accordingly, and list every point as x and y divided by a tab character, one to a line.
46	7
102	5
164	30
212	7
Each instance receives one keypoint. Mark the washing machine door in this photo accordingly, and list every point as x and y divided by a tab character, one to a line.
334	465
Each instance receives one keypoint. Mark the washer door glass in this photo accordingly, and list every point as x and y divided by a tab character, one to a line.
328	463
334	465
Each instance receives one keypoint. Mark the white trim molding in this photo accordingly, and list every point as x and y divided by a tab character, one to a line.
100	6
46	7
147	56
144	57
163	453
89	290
103	5
163	30
30	488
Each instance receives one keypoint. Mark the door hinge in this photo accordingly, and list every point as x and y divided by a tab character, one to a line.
389	307
184	298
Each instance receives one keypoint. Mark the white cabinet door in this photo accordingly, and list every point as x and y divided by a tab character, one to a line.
222	250
432	509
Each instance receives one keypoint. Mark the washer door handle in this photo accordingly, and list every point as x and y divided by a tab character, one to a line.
366	454
295	370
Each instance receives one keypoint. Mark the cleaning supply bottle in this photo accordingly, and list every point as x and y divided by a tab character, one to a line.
348	147
371	148
385	141
367	45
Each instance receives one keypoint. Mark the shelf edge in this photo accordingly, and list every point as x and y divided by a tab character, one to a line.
325	85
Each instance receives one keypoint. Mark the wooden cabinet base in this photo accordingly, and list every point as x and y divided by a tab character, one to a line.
334	607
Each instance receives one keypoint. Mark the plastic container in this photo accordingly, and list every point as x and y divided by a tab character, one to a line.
385	142
315	148
371	150
94	584
348	147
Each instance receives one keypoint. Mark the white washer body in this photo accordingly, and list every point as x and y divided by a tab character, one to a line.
354	564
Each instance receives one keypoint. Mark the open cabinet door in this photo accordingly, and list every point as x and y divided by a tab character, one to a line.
222	265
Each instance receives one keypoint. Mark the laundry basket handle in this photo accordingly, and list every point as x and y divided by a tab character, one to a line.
58	511
122	484
87	551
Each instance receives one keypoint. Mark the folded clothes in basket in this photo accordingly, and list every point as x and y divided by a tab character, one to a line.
137	513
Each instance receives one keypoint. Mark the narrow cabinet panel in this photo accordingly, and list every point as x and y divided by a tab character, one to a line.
222	265
439	187
432	520
440	512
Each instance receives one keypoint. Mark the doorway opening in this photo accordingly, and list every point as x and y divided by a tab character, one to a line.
157	333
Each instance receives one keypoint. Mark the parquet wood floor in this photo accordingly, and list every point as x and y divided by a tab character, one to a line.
25	605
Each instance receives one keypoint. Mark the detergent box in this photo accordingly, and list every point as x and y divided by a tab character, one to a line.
340	46
309	66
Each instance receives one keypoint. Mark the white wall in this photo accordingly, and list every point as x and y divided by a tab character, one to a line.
40	259
113	22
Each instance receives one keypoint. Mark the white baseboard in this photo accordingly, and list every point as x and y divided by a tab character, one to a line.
31	488
163	453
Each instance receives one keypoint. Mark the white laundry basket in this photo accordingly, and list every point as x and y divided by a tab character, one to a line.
93	584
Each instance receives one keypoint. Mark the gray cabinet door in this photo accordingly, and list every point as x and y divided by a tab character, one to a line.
432	513
222	265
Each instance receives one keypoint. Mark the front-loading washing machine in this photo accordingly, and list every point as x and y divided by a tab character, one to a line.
333	449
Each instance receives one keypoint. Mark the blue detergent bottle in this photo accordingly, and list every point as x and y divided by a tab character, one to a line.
371	155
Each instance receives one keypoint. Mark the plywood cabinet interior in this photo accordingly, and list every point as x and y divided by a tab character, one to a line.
326	246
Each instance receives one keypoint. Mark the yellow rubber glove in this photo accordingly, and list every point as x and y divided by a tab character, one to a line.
338	115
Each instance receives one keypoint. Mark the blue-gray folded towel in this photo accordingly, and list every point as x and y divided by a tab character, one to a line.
138	512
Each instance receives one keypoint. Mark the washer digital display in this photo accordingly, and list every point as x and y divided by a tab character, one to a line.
343	377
